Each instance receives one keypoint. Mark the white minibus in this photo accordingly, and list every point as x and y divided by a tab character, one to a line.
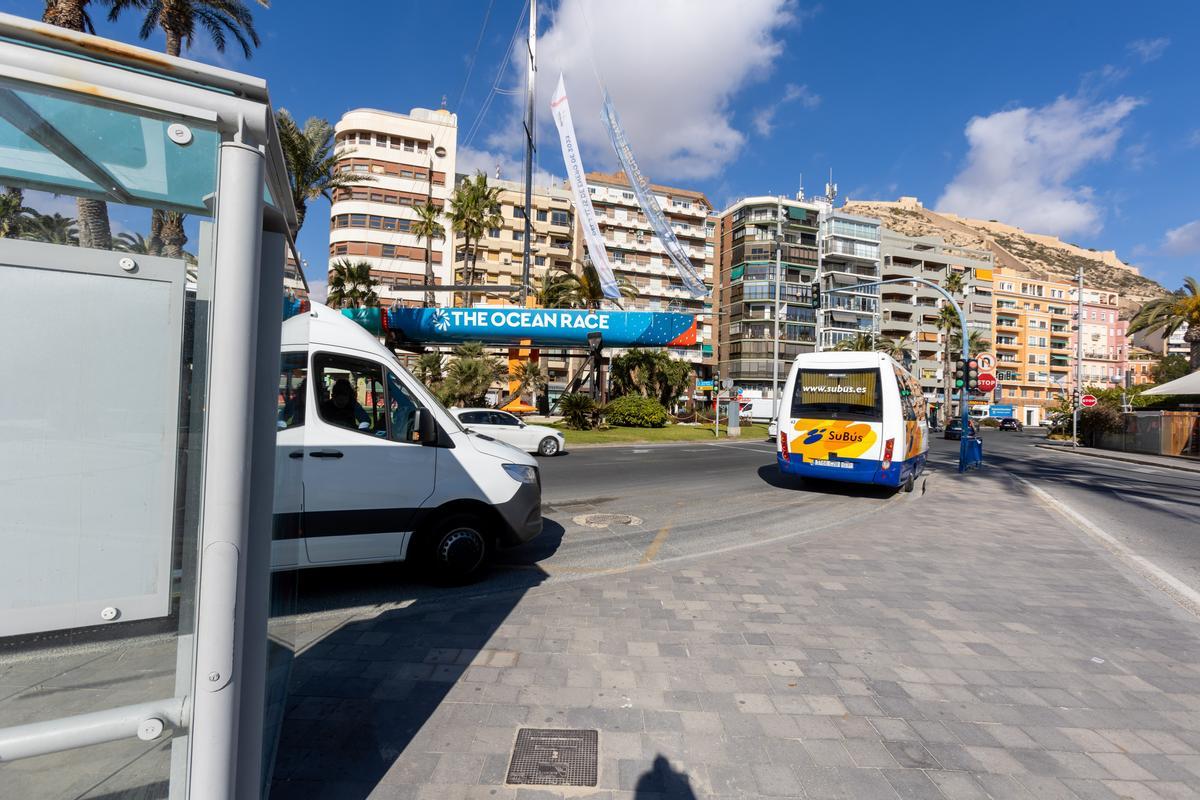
370	467
852	416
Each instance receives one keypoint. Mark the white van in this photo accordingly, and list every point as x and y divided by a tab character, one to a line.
855	417
371	467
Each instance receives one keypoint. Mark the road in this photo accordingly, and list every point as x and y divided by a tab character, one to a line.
1152	510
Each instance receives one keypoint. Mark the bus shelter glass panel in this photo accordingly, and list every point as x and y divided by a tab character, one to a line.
101	424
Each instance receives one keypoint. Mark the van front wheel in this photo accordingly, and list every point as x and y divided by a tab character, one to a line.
458	549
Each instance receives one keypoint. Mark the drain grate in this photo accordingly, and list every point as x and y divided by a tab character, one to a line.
549	757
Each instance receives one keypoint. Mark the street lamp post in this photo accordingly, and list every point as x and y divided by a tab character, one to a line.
1078	394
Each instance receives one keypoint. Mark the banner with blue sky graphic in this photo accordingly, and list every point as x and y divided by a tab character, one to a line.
544	327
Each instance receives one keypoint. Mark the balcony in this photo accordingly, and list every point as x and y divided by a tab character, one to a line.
1007	324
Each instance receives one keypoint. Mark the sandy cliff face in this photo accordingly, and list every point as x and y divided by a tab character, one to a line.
1039	255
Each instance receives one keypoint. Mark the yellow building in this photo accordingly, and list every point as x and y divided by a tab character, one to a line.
1033	342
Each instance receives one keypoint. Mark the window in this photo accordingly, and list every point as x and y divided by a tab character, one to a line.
501	418
846	394
542	215
474	417
402	411
560	218
293	385
350	394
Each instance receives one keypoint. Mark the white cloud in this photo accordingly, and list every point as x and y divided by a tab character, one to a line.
1022	164
672	67
512	168
1183	240
1193	139
764	118
1149	49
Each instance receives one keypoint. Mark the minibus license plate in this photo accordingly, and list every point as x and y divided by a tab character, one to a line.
839	464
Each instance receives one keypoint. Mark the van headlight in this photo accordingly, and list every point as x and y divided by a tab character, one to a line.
521	473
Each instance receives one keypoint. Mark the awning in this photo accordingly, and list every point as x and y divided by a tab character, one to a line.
1188	384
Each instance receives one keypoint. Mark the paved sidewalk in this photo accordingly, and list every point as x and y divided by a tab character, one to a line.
921	654
1169	462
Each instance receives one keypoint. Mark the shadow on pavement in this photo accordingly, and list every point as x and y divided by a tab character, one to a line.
770	475
360	695
662	782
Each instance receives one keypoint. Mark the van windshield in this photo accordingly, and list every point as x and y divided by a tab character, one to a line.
838	394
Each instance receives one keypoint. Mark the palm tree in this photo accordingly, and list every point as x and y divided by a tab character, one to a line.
582	289
430	368
471	374
132	243
474	209
95	230
899	349
12	206
52	228
351	284
428	227
530	377
178	20
311	161
863	342
1168	314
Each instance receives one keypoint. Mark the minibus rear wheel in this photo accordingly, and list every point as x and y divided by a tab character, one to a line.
458	548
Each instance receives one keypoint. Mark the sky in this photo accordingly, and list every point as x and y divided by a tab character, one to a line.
1080	119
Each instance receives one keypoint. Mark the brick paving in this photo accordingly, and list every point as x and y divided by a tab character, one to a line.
902	657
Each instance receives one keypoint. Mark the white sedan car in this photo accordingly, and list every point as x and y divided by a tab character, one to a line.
507	428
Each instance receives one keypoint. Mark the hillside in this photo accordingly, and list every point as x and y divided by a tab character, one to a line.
1038	255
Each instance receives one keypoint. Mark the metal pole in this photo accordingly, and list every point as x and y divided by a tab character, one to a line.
1078	395
778	292
529	147
228	473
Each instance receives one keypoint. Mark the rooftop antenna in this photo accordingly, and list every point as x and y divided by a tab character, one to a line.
497	171
800	194
443	102
830	188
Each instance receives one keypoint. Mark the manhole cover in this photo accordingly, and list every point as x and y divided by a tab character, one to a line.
554	758
604	520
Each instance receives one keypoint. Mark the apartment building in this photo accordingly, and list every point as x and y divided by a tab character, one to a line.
1140	364
1170	345
1105	356
911	311
1034	343
500	255
849	256
744	290
410	158
637	255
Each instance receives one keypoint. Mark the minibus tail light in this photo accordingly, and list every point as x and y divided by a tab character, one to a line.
888	447
783	446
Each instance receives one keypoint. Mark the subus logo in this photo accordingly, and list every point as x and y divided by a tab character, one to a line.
816	434
841	389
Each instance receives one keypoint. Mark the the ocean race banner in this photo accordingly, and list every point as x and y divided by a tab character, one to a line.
645	197
542	326
592	237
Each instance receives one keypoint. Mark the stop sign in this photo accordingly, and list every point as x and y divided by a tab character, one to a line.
1088	400
986	382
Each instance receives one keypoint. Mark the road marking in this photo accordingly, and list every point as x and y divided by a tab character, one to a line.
1165	580
1170	506
764	448
652	551
635	452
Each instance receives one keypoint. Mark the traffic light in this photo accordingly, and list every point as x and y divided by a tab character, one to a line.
972	374
960	373
816	295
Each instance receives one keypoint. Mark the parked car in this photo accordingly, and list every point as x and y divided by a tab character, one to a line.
1011	424
773	429
370	467
954	429
509	429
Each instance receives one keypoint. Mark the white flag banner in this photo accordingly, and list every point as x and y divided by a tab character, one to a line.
592	237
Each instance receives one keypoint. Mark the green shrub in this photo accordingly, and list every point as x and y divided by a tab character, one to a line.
578	410
635	411
990	422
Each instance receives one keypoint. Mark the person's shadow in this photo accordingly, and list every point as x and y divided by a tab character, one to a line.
662	782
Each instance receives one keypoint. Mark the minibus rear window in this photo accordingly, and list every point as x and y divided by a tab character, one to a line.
838	394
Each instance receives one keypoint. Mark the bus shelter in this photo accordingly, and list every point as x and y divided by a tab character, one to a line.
145	218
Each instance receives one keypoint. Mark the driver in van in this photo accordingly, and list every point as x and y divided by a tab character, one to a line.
342	408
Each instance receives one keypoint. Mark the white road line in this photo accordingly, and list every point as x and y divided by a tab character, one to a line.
765	448
1173	586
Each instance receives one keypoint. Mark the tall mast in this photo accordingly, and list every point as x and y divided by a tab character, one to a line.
530	79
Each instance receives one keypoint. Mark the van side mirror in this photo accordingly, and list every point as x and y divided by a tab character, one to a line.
425	428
